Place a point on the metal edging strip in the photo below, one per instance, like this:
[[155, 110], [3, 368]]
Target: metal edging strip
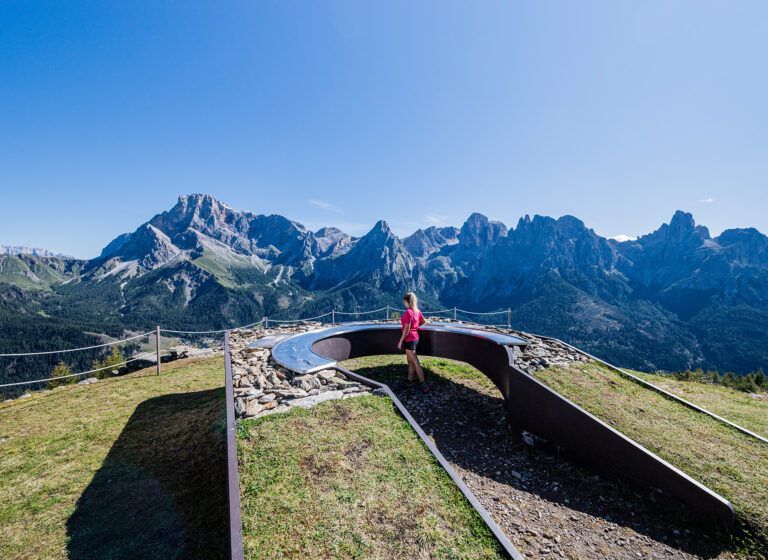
[[233, 478]]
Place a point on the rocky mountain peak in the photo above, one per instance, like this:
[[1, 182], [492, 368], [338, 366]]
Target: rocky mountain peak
[[328, 232], [424, 242], [198, 211], [380, 232], [150, 247], [681, 233], [478, 232], [682, 225]]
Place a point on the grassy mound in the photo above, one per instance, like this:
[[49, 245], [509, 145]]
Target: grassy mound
[[730, 463], [748, 411], [350, 479], [131, 467]]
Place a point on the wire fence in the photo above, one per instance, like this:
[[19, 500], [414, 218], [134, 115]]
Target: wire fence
[[68, 350], [158, 354]]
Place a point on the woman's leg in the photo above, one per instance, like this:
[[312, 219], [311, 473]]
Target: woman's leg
[[411, 369], [413, 361]]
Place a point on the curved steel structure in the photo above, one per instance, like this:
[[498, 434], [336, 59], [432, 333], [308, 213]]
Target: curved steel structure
[[558, 423]]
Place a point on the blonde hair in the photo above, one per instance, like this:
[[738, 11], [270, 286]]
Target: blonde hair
[[412, 301]]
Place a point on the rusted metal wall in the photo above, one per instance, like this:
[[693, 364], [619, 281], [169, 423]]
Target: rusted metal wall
[[559, 424]]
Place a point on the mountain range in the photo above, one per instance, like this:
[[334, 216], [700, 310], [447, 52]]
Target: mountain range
[[672, 299], [20, 250]]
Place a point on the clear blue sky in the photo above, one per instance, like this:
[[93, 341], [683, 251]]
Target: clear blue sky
[[342, 113]]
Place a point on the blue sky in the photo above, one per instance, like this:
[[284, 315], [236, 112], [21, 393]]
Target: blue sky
[[342, 113]]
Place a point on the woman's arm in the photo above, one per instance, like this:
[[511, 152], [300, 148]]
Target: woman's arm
[[422, 321], [406, 330]]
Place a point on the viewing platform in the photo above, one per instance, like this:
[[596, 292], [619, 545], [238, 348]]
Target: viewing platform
[[308, 352]]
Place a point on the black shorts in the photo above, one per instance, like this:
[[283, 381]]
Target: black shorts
[[410, 345]]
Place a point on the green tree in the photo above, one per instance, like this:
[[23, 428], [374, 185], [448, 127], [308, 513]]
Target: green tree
[[60, 370], [114, 358], [761, 380]]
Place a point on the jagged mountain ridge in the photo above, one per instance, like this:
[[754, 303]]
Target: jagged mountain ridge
[[673, 298], [23, 250]]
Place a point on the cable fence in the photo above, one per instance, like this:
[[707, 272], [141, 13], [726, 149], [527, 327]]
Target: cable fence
[[157, 353]]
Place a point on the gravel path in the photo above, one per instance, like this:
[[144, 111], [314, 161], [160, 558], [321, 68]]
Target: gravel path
[[547, 507]]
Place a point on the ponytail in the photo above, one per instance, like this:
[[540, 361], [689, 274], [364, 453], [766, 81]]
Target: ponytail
[[412, 301]]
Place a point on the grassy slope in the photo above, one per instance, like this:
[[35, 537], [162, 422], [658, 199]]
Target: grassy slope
[[730, 463], [736, 406], [115, 469], [350, 479], [652, 420], [13, 270]]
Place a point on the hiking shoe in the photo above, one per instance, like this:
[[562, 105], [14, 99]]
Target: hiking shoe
[[425, 388]]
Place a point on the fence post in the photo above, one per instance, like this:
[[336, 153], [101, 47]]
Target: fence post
[[333, 316], [157, 342], [386, 317], [454, 313], [266, 322], [509, 318]]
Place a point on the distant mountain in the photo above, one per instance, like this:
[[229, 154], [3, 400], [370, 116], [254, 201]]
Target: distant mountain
[[20, 250], [672, 299]]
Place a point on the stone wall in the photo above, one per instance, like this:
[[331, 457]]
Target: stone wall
[[263, 387]]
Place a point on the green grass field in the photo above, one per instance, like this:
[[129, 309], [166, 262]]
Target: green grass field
[[130, 467], [738, 407], [351, 479], [732, 464]]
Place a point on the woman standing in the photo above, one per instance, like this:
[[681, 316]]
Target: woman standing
[[411, 320]]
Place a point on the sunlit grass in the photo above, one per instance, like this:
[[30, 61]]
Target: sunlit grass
[[144, 439], [351, 479]]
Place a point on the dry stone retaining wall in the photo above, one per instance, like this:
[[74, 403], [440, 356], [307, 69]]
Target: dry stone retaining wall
[[262, 387]]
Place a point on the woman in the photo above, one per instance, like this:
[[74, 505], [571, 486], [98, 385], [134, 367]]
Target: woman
[[411, 320]]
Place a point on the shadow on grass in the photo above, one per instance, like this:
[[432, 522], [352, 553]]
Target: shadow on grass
[[469, 427], [161, 492]]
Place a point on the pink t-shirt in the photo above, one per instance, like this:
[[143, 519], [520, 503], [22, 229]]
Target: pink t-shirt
[[411, 317]]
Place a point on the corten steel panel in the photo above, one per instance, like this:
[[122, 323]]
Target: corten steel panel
[[233, 479], [536, 408]]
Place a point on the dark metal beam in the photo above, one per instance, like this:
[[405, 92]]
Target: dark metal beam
[[233, 478]]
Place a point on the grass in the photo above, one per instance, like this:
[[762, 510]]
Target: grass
[[130, 467], [351, 479], [738, 407], [388, 369], [730, 463]]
